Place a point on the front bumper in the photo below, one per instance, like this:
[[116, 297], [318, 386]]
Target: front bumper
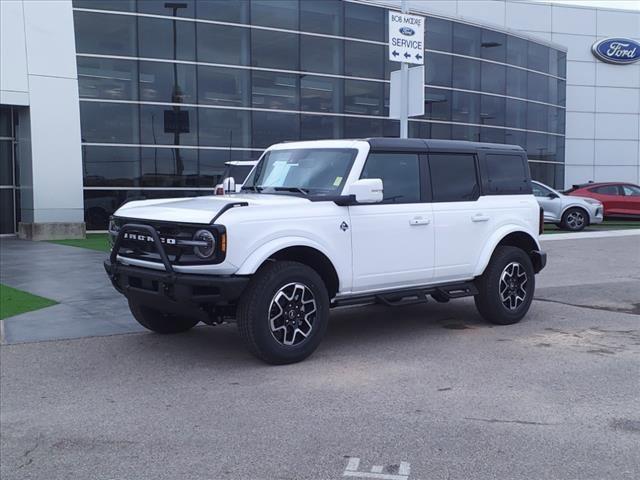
[[175, 292], [167, 290]]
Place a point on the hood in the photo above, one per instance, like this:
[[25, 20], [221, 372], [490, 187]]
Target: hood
[[199, 209]]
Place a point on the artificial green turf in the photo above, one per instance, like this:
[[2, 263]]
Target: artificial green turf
[[94, 241], [14, 302]]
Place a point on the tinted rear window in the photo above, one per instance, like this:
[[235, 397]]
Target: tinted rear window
[[453, 177], [606, 190], [505, 174]]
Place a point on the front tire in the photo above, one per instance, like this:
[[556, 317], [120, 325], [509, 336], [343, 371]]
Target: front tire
[[574, 220], [283, 313], [506, 288], [159, 322]]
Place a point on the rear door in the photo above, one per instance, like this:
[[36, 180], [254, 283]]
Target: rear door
[[461, 221], [611, 197], [393, 241], [631, 199]]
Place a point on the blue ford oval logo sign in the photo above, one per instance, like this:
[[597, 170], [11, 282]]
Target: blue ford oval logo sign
[[620, 51], [407, 31]]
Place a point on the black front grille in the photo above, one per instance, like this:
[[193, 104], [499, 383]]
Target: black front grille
[[140, 245]]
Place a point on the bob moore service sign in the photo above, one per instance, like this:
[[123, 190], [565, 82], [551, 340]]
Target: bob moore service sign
[[406, 38], [619, 51]]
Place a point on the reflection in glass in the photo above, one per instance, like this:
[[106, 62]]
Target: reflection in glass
[[275, 13], [538, 57], [111, 166], [469, 133], [492, 135], [7, 215], [465, 107], [438, 34], [516, 82], [169, 167], [538, 87], [466, 73], [223, 44], [107, 78], [493, 78], [355, 127], [321, 16], [516, 51], [363, 98], [168, 125], [493, 46], [118, 5], [437, 104], [363, 21], [516, 113], [466, 39], [537, 116], [438, 69], [156, 38], [273, 127], [492, 110], [318, 127], [321, 94], [223, 86], [236, 11], [224, 128], [105, 34], [274, 49], [274, 90], [363, 59], [157, 82], [109, 122], [322, 55]]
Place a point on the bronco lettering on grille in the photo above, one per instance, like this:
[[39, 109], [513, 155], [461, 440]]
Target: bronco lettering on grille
[[147, 238]]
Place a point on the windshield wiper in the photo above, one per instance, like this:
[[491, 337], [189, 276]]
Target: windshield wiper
[[304, 191], [252, 188]]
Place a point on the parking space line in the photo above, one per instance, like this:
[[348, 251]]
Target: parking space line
[[351, 470]]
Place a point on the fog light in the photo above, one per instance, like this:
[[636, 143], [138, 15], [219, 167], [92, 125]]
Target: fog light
[[204, 251]]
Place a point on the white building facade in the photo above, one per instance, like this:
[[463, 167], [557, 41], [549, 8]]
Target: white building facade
[[84, 85]]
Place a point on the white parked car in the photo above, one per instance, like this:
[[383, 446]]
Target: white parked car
[[235, 173], [323, 224], [566, 211]]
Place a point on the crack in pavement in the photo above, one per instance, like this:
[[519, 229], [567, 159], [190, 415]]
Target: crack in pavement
[[635, 310], [497, 420]]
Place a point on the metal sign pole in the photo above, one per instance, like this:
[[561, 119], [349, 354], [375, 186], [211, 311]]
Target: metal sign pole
[[404, 98]]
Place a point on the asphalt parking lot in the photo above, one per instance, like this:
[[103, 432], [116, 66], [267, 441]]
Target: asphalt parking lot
[[422, 392]]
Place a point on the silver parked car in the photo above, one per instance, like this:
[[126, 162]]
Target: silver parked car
[[568, 212]]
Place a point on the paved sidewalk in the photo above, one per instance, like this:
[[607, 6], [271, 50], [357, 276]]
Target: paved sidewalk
[[74, 277]]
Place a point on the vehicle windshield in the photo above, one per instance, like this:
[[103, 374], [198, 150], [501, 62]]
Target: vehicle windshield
[[318, 171]]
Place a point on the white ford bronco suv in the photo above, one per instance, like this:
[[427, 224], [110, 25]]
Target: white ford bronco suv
[[323, 224]]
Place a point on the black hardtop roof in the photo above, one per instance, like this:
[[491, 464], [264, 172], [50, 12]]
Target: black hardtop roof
[[425, 145]]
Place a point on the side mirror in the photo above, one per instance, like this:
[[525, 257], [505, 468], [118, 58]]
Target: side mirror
[[367, 190], [229, 185]]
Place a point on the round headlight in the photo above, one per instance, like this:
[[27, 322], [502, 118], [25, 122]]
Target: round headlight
[[204, 251]]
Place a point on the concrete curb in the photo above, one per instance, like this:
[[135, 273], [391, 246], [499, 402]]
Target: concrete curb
[[581, 235]]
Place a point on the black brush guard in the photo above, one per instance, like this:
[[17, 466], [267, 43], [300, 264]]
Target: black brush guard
[[167, 290]]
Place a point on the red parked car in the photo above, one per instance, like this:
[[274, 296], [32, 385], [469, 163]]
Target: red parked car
[[619, 199]]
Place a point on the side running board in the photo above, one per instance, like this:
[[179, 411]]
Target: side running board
[[402, 297]]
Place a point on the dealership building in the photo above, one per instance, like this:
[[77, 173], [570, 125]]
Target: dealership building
[[103, 101]]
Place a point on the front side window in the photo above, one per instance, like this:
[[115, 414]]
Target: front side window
[[400, 175], [539, 190], [453, 177], [308, 171]]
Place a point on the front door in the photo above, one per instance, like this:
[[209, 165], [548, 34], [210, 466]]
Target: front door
[[549, 201], [393, 242]]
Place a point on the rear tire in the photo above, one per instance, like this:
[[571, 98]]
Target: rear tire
[[574, 220], [506, 288], [283, 313], [159, 322]]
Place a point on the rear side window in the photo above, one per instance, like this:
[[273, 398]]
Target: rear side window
[[400, 174], [453, 177], [505, 174], [606, 190], [631, 190]]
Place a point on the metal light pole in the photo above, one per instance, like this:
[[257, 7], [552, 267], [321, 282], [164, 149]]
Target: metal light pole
[[404, 98]]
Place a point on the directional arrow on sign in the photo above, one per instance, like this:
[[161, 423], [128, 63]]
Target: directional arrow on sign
[[407, 55], [418, 56], [394, 53]]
